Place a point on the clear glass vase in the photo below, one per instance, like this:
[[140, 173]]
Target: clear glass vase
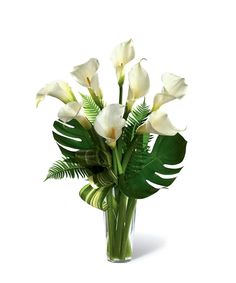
[[120, 220]]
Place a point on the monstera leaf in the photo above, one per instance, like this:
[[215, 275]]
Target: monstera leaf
[[167, 150], [71, 137]]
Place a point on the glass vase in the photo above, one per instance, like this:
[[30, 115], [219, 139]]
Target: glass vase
[[120, 220]]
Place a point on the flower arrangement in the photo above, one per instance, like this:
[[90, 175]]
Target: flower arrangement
[[109, 145]]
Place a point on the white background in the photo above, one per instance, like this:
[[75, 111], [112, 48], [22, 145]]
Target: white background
[[184, 234]]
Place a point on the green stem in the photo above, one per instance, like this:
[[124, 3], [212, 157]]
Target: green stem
[[121, 204], [111, 222], [117, 158], [129, 215], [114, 162], [126, 114], [119, 148], [95, 98], [120, 93], [121, 221], [129, 153]]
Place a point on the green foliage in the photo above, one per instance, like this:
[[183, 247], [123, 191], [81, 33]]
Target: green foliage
[[93, 157], [142, 169], [167, 150], [91, 109], [104, 178], [140, 154], [66, 168], [136, 117], [96, 191], [95, 197], [71, 137]]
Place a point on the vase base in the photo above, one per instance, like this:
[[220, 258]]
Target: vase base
[[117, 260]]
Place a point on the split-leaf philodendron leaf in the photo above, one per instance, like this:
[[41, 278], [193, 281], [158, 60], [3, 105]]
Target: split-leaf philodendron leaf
[[72, 135], [167, 150]]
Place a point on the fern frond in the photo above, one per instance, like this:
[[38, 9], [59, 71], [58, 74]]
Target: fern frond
[[66, 168], [91, 109], [136, 117]]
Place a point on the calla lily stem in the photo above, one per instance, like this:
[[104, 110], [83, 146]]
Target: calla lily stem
[[129, 153], [121, 221], [111, 221], [129, 214], [120, 93], [119, 167], [95, 98]]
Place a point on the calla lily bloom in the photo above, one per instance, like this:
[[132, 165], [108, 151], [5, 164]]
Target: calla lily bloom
[[158, 123], [95, 85], [71, 111], [139, 84], [174, 87], [122, 54], [109, 123], [58, 89], [86, 74]]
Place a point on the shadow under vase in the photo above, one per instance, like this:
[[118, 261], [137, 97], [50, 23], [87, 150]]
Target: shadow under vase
[[145, 244]]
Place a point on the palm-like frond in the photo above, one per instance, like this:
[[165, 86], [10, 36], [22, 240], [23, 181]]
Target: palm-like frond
[[66, 168], [136, 117], [91, 109]]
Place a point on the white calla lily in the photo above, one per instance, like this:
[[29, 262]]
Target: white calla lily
[[160, 99], [174, 87], [85, 73], [69, 111], [95, 85], [109, 123], [57, 89], [139, 83], [122, 54], [158, 123]]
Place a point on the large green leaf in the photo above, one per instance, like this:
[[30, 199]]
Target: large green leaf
[[139, 155], [104, 178], [71, 137], [167, 150], [93, 157], [170, 149], [95, 197]]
